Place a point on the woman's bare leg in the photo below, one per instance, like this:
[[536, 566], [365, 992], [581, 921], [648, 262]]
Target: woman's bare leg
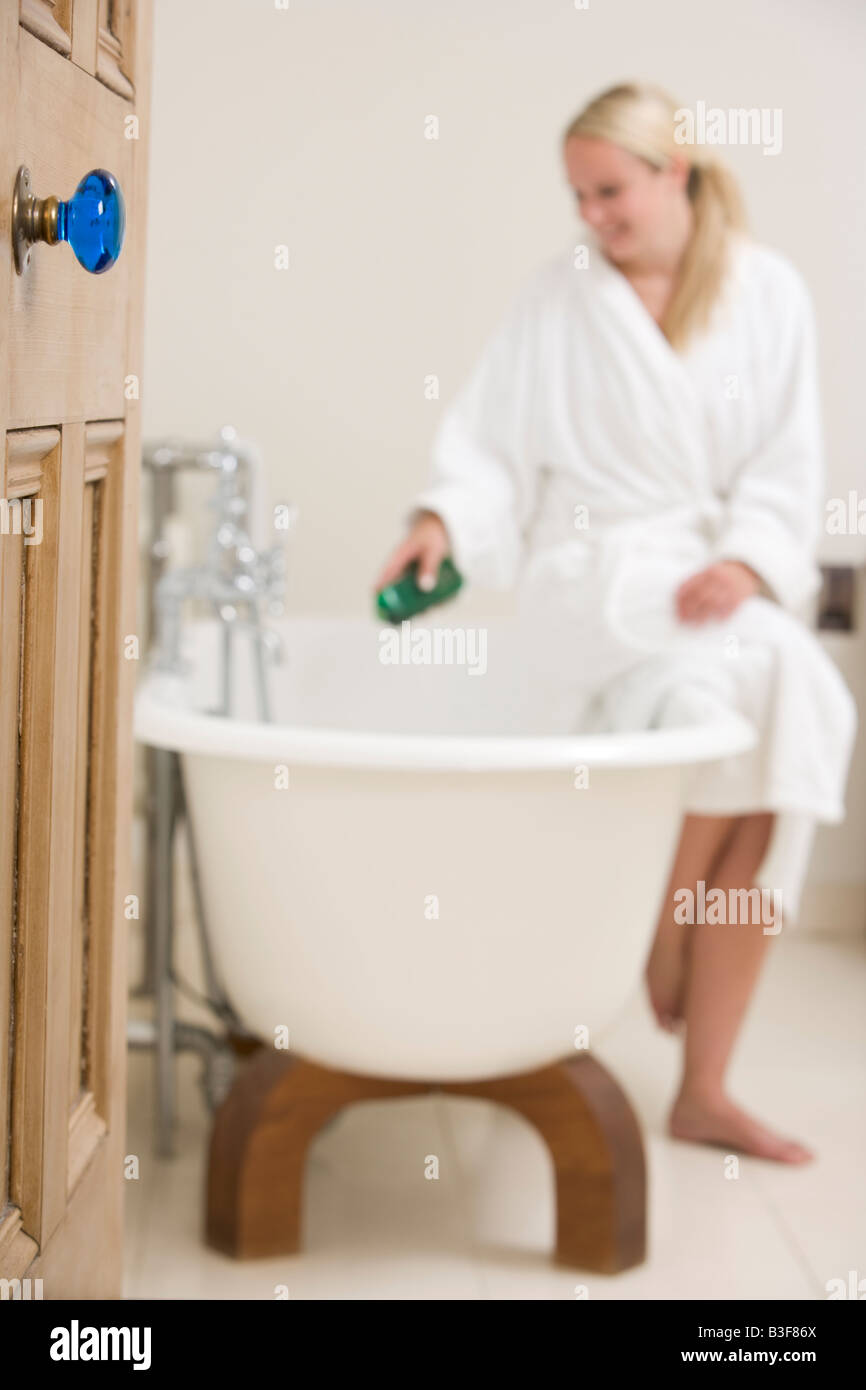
[[702, 842], [723, 968]]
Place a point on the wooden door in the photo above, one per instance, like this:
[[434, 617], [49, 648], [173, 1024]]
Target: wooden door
[[74, 95]]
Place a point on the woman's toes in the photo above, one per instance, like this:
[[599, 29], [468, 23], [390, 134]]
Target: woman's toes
[[721, 1123], [792, 1152]]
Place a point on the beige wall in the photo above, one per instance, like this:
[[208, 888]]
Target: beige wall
[[305, 127]]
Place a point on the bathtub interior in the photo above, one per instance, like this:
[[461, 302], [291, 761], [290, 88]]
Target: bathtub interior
[[436, 679]]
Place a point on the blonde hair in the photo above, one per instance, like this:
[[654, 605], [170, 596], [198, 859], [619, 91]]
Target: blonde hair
[[642, 120]]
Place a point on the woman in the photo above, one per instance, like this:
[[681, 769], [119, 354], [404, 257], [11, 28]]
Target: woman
[[640, 444]]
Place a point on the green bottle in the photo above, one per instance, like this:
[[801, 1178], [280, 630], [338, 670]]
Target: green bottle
[[403, 599]]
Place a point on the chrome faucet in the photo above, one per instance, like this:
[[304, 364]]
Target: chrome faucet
[[237, 581]]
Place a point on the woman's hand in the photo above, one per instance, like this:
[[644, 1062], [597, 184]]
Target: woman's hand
[[428, 543], [716, 591]]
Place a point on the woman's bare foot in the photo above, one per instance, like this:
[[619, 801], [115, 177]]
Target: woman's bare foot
[[718, 1121], [666, 976]]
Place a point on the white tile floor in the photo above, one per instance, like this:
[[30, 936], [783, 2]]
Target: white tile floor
[[376, 1228]]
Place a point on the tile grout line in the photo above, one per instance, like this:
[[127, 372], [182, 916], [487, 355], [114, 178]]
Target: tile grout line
[[786, 1232]]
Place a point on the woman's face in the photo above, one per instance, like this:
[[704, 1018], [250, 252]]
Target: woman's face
[[628, 203]]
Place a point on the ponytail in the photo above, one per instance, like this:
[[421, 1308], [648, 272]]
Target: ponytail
[[717, 208]]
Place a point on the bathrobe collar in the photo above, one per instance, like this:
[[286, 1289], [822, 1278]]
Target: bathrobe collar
[[622, 292], [659, 374]]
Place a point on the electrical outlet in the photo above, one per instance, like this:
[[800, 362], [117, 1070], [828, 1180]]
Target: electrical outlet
[[836, 600]]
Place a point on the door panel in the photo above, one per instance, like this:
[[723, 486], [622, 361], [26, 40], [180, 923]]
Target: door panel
[[50, 21], [22, 894], [69, 344], [98, 35], [90, 943], [115, 60], [45, 817]]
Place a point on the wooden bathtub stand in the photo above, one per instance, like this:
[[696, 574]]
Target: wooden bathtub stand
[[263, 1130]]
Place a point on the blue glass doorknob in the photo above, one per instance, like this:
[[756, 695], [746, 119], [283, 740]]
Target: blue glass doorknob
[[93, 221]]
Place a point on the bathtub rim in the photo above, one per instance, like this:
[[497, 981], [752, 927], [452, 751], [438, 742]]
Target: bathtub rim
[[162, 719]]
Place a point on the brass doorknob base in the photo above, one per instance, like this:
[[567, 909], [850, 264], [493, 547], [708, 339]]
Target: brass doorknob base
[[33, 219]]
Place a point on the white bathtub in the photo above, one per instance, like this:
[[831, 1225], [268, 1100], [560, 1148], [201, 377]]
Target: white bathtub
[[431, 896]]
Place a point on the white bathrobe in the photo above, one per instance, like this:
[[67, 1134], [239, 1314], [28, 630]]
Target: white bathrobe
[[596, 467]]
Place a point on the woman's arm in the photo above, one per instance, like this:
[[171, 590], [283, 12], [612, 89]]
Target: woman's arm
[[483, 469]]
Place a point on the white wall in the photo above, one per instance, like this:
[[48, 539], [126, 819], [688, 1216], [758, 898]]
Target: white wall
[[305, 127]]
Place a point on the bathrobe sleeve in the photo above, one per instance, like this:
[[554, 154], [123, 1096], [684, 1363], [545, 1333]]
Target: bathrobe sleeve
[[775, 503], [483, 474]]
